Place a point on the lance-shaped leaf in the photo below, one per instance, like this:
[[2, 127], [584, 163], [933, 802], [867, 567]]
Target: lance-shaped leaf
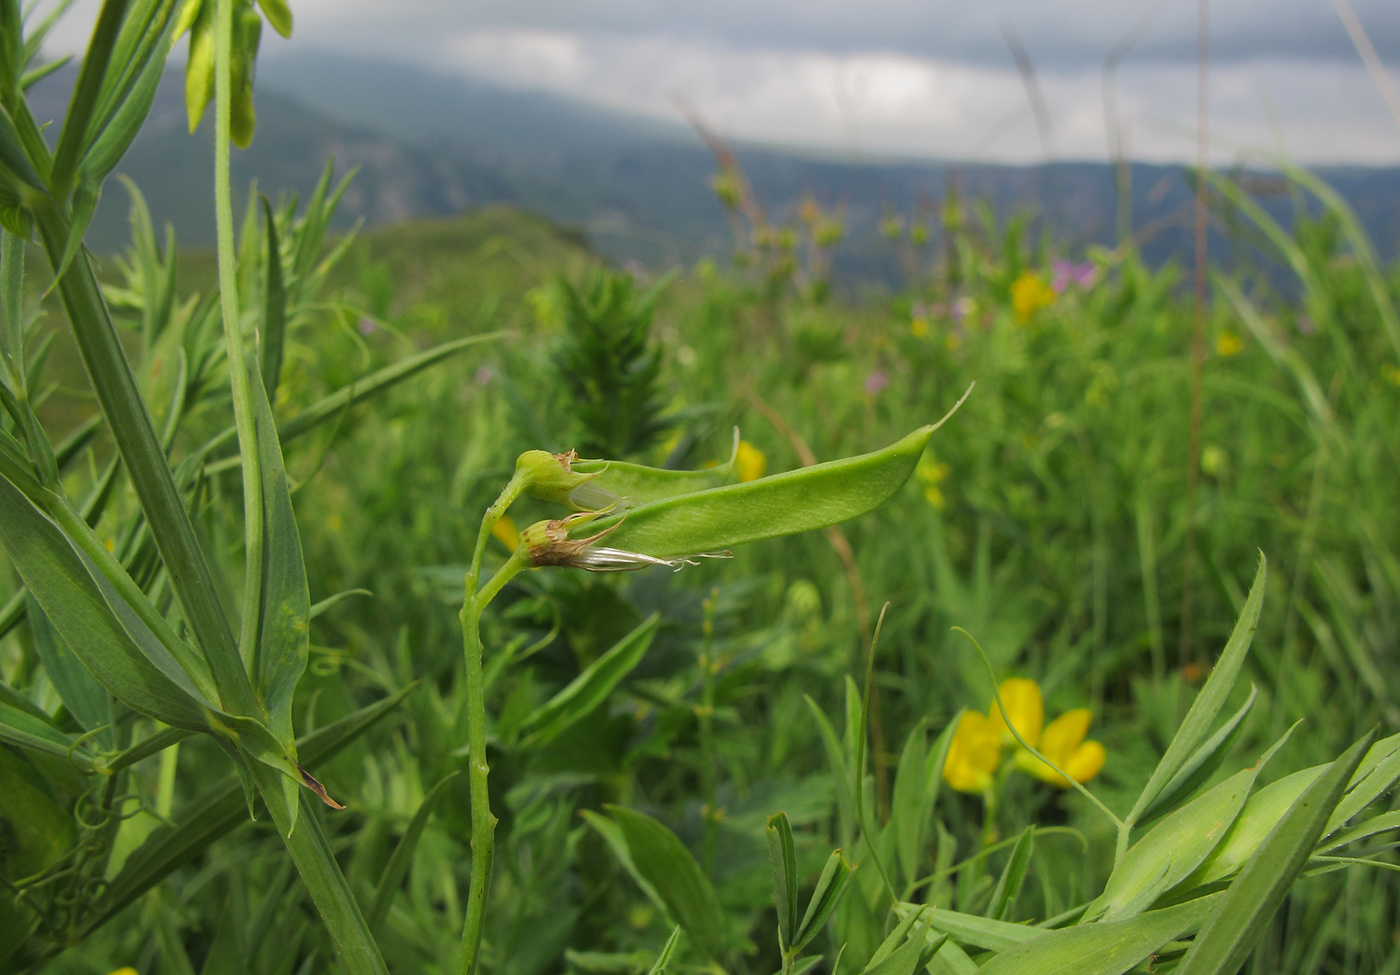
[[281, 641], [671, 870], [143, 675], [402, 857], [783, 504], [831, 887], [1106, 948], [82, 695], [1201, 765], [1195, 727], [590, 688], [215, 813], [1176, 846], [1246, 909], [782, 864]]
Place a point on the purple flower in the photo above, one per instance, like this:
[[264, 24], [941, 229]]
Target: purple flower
[[1066, 273], [876, 381], [367, 327], [484, 375]]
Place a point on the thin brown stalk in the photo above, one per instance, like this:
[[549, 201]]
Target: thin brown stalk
[[1198, 344]]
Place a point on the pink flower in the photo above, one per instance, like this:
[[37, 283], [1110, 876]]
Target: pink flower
[[1066, 273], [876, 381]]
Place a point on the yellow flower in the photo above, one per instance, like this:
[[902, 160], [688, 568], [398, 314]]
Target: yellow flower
[[750, 461], [1025, 707], [973, 755], [919, 328], [930, 474], [1029, 294], [125, 971], [1228, 344], [505, 531], [1063, 743]]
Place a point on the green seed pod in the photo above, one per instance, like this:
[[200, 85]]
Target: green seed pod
[[781, 504]]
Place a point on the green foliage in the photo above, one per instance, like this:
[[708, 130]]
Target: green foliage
[[609, 366], [642, 731]]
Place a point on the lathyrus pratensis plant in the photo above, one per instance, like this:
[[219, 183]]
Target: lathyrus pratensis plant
[[626, 516], [130, 629]]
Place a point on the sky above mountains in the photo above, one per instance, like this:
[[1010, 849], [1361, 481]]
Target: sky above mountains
[[912, 78]]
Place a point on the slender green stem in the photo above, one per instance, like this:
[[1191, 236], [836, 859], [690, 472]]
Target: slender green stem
[[709, 667], [233, 335], [483, 822]]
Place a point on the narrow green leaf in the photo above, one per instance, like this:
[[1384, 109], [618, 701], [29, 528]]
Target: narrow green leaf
[[85, 199], [1008, 886], [845, 798], [1377, 774], [783, 504], [22, 730], [1247, 907], [612, 834], [590, 688], [402, 857], [1105, 948], [12, 154], [82, 695], [937, 759], [984, 932], [1253, 825], [282, 637], [1195, 727], [1202, 764], [147, 466], [902, 950], [354, 943], [217, 812], [665, 862], [347, 396], [279, 15], [60, 580], [782, 864], [1376, 824], [669, 949], [272, 335], [909, 808], [73, 140], [831, 887], [1176, 846]]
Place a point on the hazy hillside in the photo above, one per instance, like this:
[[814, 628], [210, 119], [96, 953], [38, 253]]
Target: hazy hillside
[[428, 144]]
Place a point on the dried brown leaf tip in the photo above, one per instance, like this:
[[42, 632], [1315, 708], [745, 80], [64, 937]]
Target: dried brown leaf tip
[[309, 780]]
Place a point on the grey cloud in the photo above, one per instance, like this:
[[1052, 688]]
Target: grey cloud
[[1060, 34]]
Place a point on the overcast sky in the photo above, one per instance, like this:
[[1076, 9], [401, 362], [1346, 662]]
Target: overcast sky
[[928, 78]]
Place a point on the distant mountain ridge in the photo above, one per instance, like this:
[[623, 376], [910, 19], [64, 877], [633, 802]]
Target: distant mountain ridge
[[432, 144]]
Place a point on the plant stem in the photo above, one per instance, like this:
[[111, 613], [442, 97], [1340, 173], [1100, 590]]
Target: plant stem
[[483, 822], [233, 335], [709, 771]]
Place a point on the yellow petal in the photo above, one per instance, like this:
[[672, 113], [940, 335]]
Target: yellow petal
[[505, 532], [1064, 734], [750, 461], [1086, 762], [1024, 706], [973, 754]]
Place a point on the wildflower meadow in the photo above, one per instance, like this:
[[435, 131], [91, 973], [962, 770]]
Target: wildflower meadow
[[387, 601]]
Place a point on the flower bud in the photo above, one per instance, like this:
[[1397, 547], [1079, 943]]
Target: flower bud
[[550, 477]]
